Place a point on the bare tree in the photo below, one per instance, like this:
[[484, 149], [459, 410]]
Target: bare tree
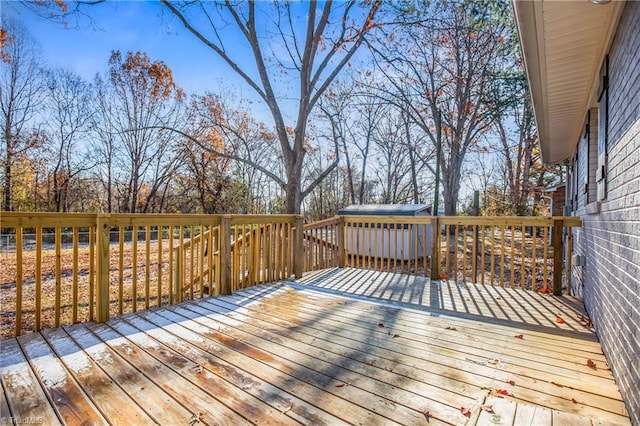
[[441, 63], [69, 115], [21, 92], [146, 102], [309, 51]]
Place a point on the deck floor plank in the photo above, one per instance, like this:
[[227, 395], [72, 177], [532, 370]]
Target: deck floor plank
[[296, 379], [112, 402], [244, 404], [391, 354], [200, 404], [571, 390], [264, 391], [340, 346], [68, 398], [443, 403], [25, 396], [575, 376], [142, 391]]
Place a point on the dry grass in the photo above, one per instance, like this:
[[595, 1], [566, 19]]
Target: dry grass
[[155, 272]]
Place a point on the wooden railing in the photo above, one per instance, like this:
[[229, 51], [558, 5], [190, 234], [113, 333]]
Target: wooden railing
[[67, 268], [522, 252]]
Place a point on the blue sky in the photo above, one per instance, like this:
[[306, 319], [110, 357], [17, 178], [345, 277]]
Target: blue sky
[[127, 26]]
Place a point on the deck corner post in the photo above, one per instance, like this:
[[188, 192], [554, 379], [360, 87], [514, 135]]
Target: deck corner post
[[225, 255], [298, 247], [435, 250], [342, 249], [103, 227], [558, 227]]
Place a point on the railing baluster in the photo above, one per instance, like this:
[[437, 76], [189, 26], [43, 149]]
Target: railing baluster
[[18, 316], [38, 277], [120, 269], [74, 273]]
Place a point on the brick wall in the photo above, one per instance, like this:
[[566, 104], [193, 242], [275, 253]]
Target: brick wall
[[610, 236]]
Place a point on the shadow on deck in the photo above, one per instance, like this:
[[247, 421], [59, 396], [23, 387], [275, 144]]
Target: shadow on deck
[[336, 347]]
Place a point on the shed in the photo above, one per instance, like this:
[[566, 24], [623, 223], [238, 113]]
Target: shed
[[388, 240]]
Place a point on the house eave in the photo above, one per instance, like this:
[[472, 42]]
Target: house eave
[[563, 44]]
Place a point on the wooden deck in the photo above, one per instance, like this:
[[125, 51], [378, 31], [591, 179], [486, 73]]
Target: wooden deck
[[336, 347]]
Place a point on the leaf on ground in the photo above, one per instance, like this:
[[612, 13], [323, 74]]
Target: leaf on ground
[[493, 361], [286, 410], [487, 408], [504, 392], [427, 414], [465, 411], [389, 369], [511, 382], [451, 328], [340, 385], [574, 400], [381, 325], [196, 418], [591, 364], [396, 335], [519, 336], [559, 320], [444, 276], [498, 298], [369, 362]]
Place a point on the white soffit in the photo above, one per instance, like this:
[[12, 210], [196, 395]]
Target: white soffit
[[564, 43]]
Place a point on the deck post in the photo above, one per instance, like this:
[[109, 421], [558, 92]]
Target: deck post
[[225, 255], [435, 251], [102, 267], [298, 248], [558, 226], [342, 249]]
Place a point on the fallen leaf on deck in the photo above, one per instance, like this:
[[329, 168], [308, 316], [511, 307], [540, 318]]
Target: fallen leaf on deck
[[493, 361], [451, 328], [286, 410], [196, 418], [519, 336], [487, 408], [369, 362], [559, 320], [340, 385], [498, 298], [381, 325], [444, 276], [504, 392], [574, 400], [591, 364], [427, 414], [465, 411], [511, 382], [389, 369], [485, 388]]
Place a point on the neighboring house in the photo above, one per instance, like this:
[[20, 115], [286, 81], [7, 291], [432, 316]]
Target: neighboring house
[[583, 65], [557, 194]]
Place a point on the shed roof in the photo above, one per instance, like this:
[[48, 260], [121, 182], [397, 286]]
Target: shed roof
[[384, 209]]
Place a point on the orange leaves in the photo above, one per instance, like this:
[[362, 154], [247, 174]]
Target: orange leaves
[[511, 382], [574, 400], [503, 392], [5, 39], [559, 320], [488, 408], [444, 276], [591, 364], [465, 411]]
